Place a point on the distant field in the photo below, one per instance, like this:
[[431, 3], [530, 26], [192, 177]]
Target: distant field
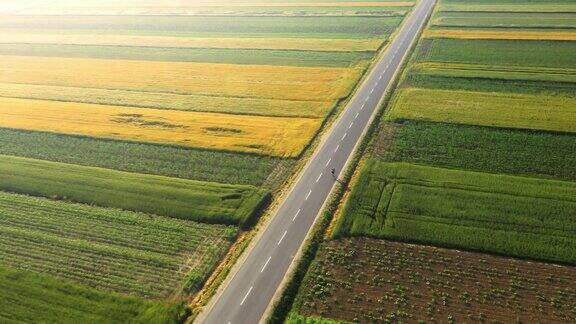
[[183, 78], [377, 281], [472, 77], [172, 197], [483, 149], [522, 217], [260, 8], [500, 34], [307, 44], [520, 7], [168, 161], [283, 137], [206, 26], [486, 109], [26, 297], [505, 20], [502, 72], [198, 55], [553, 54], [108, 249], [162, 100]]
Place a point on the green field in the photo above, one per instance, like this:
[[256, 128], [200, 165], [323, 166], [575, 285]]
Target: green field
[[484, 149], [171, 101], [507, 110], [550, 82], [553, 54], [522, 217], [108, 249], [27, 297], [218, 26], [505, 19], [172, 197], [202, 55], [171, 161]]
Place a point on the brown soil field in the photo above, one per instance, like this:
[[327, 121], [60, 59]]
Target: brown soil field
[[367, 280]]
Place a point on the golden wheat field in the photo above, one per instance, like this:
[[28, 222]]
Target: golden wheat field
[[275, 136], [262, 81], [512, 35], [232, 105], [201, 42]]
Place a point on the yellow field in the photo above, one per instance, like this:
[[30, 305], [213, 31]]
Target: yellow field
[[232, 105], [514, 35], [185, 42], [285, 137], [510, 110], [155, 4], [261, 81], [156, 7]]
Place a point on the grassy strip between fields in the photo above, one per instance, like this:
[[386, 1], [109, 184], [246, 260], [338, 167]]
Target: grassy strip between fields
[[500, 72], [486, 109], [205, 26], [171, 101], [520, 7], [521, 217], [177, 198], [170, 161], [519, 53], [551, 82], [305, 44], [500, 34], [484, 149], [504, 20], [28, 297], [109, 249], [193, 55]]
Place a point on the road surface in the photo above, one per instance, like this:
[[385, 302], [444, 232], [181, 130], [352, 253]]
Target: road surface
[[247, 295]]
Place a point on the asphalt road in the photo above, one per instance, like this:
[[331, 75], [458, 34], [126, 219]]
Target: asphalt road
[[247, 295]]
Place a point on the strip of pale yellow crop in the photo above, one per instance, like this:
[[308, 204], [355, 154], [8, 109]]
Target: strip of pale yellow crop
[[305, 44], [192, 4], [513, 35], [231, 105], [253, 81], [276, 136]]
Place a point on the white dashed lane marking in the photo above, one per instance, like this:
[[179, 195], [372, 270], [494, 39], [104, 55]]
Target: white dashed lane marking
[[265, 264], [283, 235], [297, 213], [246, 296]]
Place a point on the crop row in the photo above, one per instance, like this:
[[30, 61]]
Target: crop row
[[229, 105], [523, 53], [184, 78], [295, 44], [220, 26], [276, 136], [196, 55], [523, 217], [514, 152], [171, 161], [178, 198], [487, 109], [26, 297], [505, 20], [366, 280], [101, 257]]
